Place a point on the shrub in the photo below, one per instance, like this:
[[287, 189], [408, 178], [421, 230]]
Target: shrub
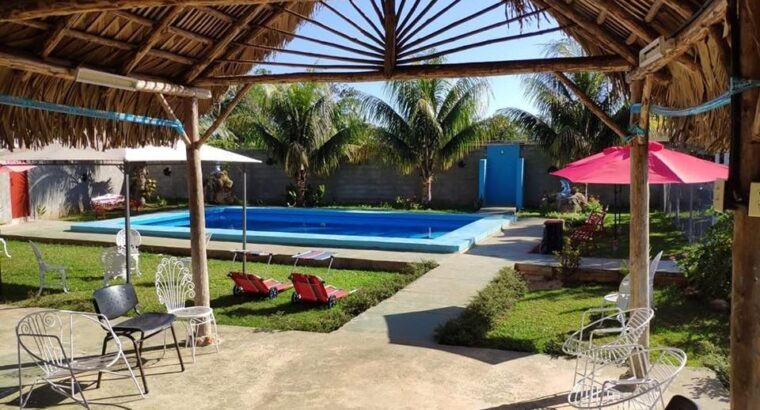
[[593, 205], [707, 263], [717, 360], [488, 306], [569, 259]]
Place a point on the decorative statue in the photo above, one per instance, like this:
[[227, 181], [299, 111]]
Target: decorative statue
[[218, 188]]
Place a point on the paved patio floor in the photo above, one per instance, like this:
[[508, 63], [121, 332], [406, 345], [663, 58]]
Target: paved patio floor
[[384, 358]]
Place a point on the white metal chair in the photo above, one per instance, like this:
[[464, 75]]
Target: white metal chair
[[599, 388], [135, 240], [174, 286], [5, 247], [51, 339], [622, 298], [114, 264], [45, 268], [608, 339]]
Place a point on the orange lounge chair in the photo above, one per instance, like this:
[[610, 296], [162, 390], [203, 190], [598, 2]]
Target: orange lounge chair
[[310, 288], [250, 283]]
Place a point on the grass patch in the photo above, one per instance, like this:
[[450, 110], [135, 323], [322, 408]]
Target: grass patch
[[541, 320], [664, 235], [21, 282]]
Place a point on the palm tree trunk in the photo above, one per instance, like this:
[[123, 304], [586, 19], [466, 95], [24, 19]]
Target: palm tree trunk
[[427, 189], [301, 188]]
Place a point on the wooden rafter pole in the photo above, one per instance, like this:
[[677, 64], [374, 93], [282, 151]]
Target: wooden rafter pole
[[57, 35], [606, 39], [591, 105], [389, 23], [226, 113], [159, 30], [675, 47], [221, 45], [35, 9], [641, 92], [606, 64], [744, 170]]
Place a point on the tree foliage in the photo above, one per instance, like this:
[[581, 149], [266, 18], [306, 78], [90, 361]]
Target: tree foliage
[[428, 125], [563, 127]]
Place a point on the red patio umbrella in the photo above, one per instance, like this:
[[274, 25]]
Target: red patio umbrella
[[612, 166]]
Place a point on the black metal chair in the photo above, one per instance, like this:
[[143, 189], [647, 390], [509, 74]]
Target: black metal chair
[[681, 403], [116, 301]]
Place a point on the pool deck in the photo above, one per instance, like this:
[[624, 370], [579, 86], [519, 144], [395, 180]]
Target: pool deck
[[383, 358]]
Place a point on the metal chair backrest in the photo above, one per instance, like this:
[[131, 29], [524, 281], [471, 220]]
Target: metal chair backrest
[[5, 247], [174, 284], [653, 265], [38, 255], [636, 323], [114, 262], [48, 336], [115, 301], [135, 239]]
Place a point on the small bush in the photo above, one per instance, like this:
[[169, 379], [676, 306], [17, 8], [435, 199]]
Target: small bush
[[488, 306], [707, 263], [593, 205], [717, 360], [569, 259]]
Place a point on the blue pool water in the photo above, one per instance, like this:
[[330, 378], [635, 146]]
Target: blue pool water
[[409, 231]]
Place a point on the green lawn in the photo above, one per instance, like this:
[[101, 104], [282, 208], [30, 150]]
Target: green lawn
[[21, 281], [541, 320], [663, 234]]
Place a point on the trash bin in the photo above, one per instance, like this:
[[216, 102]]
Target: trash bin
[[553, 232]]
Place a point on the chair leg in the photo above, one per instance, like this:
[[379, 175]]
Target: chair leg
[[132, 374], [63, 281], [176, 346], [216, 332], [74, 382], [102, 353], [42, 283], [138, 353], [191, 336]]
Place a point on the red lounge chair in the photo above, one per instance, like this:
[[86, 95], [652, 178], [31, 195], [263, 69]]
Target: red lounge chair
[[312, 288], [249, 283]]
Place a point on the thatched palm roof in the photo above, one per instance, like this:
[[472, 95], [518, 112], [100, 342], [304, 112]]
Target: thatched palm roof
[[190, 42], [127, 41]]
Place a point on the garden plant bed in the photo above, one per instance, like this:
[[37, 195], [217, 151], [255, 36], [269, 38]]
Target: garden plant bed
[[21, 282], [535, 272]]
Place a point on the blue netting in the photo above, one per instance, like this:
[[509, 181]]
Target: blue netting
[[738, 86], [89, 112]]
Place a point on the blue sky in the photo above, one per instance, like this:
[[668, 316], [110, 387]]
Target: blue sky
[[507, 91]]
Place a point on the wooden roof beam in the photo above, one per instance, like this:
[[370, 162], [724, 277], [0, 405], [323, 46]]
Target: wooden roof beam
[[65, 70], [652, 13], [682, 8], [226, 112], [676, 46], [604, 64], [152, 24], [605, 38], [389, 23], [159, 30], [34, 9], [591, 105]]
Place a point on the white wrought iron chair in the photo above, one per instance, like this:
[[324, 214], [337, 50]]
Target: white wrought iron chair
[[51, 339], [608, 339], [114, 264], [599, 388], [622, 298], [188, 261], [135, 240], [5, 247], [174, 286], [45, 268]]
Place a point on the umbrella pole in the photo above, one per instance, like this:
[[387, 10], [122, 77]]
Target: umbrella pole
[[245, 215], [127, 249]]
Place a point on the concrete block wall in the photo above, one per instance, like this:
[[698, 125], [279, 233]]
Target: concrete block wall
[[62, 189]]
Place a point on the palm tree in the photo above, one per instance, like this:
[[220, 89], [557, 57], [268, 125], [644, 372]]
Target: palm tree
[[563, 127], [304, 128], [428, 125]]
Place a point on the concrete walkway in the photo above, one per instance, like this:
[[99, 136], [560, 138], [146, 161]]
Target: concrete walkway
[[412, 314]]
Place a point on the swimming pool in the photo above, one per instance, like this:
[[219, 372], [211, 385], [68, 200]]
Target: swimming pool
[[388, 230]]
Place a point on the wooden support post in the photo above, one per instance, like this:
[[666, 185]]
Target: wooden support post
[[639, 202], [745, 297], [197, 210]]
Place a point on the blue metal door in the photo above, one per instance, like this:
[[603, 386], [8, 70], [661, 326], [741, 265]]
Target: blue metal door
[[504, 175]]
